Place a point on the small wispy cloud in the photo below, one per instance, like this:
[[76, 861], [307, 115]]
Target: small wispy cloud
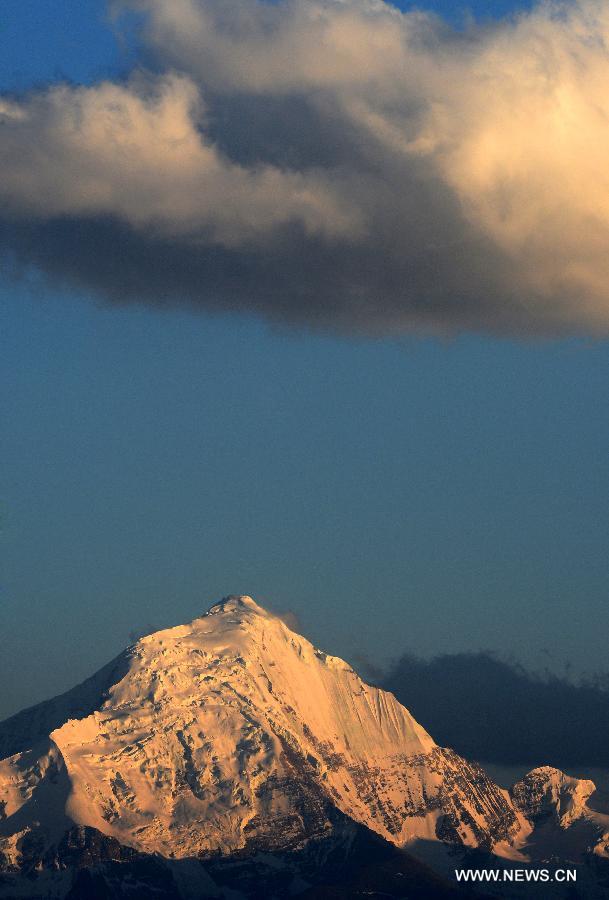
[[290, 618], [336, 164]]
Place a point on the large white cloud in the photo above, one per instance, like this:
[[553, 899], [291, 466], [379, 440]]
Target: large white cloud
[[336, 163], [136, 152]]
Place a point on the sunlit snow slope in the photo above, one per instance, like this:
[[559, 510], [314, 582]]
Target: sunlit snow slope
[[235, 732]]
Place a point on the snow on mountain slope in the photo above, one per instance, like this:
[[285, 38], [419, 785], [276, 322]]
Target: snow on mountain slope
[[547, 792], [234, 732], [564, 823]]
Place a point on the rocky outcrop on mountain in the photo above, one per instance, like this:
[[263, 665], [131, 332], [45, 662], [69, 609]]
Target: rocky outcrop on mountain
[[547, 793], [565, 822]]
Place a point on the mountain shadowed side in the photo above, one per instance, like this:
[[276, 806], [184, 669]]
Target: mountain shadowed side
[[23, 730], [103, 869], [470, 701]]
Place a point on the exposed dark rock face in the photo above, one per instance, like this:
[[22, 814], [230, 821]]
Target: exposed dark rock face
[[467, 782], [546, 794], [87, 865], [79, 847]]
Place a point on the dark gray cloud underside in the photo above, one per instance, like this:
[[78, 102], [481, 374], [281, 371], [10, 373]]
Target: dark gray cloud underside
[[298, 282], [328, 164]]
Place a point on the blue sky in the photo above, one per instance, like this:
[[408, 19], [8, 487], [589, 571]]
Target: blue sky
[[44, 40], [399, 494]]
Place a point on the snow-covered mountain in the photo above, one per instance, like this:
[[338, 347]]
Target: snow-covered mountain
[[233, 736], [566, 822]]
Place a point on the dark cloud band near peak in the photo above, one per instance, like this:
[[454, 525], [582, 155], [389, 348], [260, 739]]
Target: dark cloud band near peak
[[334, 164]]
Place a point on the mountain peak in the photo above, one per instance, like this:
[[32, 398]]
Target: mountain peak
[[234, 732], [236, 601], [236, 614], [546, 791]]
